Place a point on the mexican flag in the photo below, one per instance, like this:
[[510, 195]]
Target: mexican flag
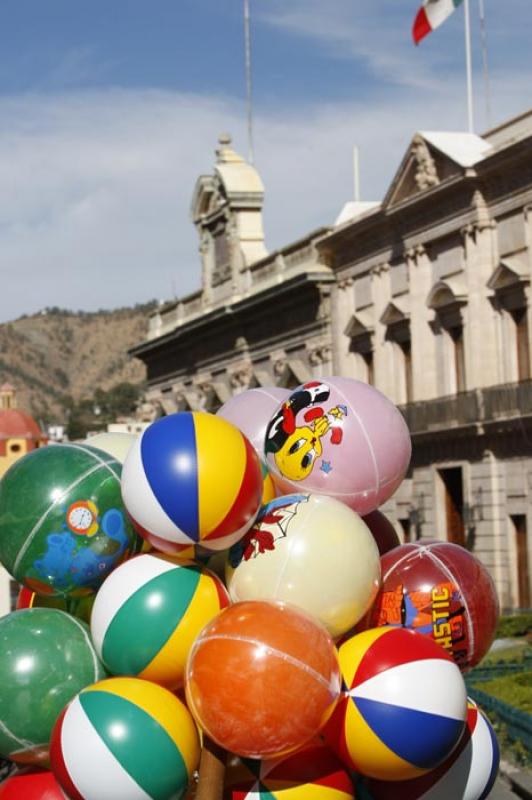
[[431, 15]]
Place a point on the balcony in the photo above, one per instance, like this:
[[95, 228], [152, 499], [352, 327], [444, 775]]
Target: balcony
[[475, 408]]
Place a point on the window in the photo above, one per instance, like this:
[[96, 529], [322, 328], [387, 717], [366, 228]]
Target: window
[[522, 341], [367, 358], [457, 337]]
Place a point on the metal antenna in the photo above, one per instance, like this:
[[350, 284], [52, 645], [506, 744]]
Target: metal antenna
[[247, 48]]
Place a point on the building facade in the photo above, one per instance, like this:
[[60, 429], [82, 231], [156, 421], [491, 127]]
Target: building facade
[[426, 295], [259, 319]]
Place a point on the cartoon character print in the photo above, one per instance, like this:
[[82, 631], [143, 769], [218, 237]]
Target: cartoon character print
[[270, 525], [65, 563], [296, 448], [437, 612]]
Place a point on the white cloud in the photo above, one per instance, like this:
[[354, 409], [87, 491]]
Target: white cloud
[[95, 187]]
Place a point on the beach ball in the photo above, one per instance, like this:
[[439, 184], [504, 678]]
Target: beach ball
[[79, 607], [46, 657], [192, 478], [262, 678], [340, 437], [31, 785], [311, 772], [117, 445], [404, 706], [442, 590], [251, 410], [468, 774], [124, 738], [383, 531], [148, 613], [300, 542], [63, 525], [268, 486]]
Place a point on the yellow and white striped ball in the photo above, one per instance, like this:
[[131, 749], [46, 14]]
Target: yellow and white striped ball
[[192, 479], [124, 738], [148, 613]]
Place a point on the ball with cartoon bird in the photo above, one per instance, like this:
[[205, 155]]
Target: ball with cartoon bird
[[301, 542], [340, 437]]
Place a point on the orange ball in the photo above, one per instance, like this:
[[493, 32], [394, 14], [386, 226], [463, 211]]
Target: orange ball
[[262, 679]]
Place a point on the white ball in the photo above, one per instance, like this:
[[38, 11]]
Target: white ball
[[312, 551]]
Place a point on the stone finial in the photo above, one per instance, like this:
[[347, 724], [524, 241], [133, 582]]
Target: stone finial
[[224, 151]]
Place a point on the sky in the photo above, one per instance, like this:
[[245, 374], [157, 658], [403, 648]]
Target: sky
[[111, 109]]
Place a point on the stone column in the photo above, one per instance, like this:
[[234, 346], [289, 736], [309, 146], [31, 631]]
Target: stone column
[[483, 358], [424, 372], [342, 307], [491, 532]]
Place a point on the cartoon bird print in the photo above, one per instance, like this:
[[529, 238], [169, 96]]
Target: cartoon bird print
[[297, 448]]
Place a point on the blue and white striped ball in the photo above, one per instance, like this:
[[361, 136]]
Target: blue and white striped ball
[[468, 774], [192, 479]]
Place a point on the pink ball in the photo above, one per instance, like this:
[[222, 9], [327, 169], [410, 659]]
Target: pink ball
[[251, 410], [339, 437]]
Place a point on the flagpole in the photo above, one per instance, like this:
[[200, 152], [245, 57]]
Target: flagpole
[[485, 65], [469, 70], [247, 48]]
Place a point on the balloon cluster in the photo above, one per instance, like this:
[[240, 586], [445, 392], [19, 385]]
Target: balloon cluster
[[242, 588]]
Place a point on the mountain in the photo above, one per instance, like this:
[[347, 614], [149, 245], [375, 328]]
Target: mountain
[[57, 354]]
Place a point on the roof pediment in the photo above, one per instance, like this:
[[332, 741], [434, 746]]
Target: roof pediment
[[431, 159], [207, 197], [393, 314], [358, 326], [508, 273], [446, 294]]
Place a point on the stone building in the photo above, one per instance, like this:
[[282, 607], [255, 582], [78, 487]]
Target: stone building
[[259, 319], [426, 295]]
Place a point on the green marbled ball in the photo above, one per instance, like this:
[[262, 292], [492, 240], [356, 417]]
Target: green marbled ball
[[63, 525], [46, 657]]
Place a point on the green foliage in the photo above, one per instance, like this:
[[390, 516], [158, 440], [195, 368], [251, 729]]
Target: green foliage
[[516, 690], [96, 412], [515, 654], [517, 625]]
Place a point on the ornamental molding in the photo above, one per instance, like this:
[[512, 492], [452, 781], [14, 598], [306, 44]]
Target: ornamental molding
[[319, 354], [426, 174]]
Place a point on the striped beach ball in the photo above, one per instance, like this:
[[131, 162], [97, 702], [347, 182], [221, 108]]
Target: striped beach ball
[[312, 773], [148, 613], [404, 706], [125, 739], [192, 478], [468, 774]]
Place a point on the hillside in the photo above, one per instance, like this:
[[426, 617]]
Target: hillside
[[55, 354]]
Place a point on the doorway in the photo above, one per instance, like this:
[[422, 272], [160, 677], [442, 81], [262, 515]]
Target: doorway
[[454, 504], [521, 549]]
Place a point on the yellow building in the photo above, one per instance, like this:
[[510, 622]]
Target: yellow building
[[19, 433]]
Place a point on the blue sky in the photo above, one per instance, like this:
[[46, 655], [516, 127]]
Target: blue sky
[[110, 110]]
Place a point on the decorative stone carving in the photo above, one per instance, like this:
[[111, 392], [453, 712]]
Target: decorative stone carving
[[279, 362], [319, 354], [414, 253], [426, 174], [380, 269], [240, 377], [346, 283]]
